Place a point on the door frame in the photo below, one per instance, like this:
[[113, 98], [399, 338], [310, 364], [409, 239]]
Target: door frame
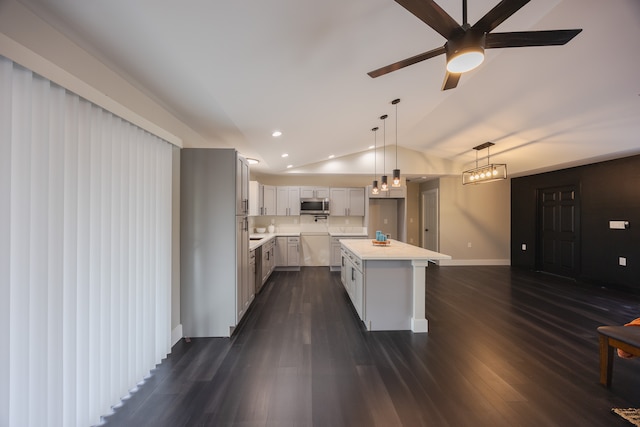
[[423, 219]]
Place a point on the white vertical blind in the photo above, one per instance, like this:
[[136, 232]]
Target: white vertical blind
[[85, 254]]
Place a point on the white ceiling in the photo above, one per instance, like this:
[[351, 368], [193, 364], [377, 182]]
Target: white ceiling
[[234, 71]]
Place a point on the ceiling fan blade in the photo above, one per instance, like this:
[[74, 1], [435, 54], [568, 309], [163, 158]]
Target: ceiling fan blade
[[450, 80], [433, 15], [498, 14], [529, 38], [406, 62]]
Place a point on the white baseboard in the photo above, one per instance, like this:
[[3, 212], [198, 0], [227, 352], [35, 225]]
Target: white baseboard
[[466, 262], [176, 334]]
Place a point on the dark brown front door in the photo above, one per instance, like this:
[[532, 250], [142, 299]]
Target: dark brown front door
[[558, 231]]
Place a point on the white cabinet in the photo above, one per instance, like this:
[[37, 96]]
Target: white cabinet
[[268, 259], [262, 199], [256, 200], [352, 278], [268, 200], [336, 255], [288, 201], [347, 201], [288, 251], [244, 295], [392, 193], [314, 192], [242, 186]]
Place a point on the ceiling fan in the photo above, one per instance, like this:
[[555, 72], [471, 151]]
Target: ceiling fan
[[465, 43]]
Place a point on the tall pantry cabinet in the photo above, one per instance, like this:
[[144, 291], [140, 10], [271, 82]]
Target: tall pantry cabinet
[[214, 241]]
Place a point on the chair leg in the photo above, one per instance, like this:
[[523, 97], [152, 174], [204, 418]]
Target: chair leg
[[606, 361]]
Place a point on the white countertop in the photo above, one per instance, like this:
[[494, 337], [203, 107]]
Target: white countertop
[[265, 237], [346, 234], [365, 250]]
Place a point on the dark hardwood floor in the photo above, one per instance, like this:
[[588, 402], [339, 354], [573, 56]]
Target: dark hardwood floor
[[506, 348]]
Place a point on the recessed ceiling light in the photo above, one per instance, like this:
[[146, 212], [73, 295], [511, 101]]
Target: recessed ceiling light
[[285, 155], [276, 133], [331, 156], [252, 161], [289, 166]]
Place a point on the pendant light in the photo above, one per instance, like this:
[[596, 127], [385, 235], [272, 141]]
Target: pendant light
[[374, 187], [487, 173], [396, 171], [383, 185]]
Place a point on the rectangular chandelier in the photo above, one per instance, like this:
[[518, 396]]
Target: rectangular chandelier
[[486, 173]]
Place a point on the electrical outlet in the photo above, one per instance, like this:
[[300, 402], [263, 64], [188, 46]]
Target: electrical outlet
[[346, 221], [622, 261], [524, 246], [410, 240], [410, 220], [469, 244], [386, 221]]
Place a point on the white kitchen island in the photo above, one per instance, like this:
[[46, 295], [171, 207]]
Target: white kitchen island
[[387, 284]]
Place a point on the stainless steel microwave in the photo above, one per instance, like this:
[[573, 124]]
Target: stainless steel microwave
[[314, 206]]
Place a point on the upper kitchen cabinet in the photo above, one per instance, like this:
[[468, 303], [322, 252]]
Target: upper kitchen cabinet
[[242, 186], [268, 200], [288, 201], [347, 201], [392, 193], [314, 192], [262, 199], [256, 200]]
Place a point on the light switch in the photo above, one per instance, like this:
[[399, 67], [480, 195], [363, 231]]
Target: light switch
[[618, 225], [524, 246], [622, 261]]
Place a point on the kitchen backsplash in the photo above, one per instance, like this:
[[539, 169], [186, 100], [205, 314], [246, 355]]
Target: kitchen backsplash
[[308, 223]]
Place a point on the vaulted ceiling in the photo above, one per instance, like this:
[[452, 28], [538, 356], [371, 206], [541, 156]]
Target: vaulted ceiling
[[235, 71]]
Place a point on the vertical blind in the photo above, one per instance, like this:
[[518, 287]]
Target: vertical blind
[[85, 254]]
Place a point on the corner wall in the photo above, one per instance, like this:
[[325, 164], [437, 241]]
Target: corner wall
[[475, 221], [608, 191]]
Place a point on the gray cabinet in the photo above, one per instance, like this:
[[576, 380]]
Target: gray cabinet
[[352, 277], [314, 192], [288, 251], [268, 259], [262, 199], [214, 240], [268, 200], [392, 193], [347, 201], [288, 201]]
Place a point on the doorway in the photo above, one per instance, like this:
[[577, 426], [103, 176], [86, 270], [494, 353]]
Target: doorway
[[430, 221], [559, 231]]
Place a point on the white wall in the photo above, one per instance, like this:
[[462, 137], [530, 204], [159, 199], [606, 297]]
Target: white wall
[[475, 221]]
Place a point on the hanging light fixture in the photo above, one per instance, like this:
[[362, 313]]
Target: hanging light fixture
[[383, 184], [487, 173], [374, 187], [396, 171]]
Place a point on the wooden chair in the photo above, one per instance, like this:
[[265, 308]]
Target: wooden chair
[[626, 338]]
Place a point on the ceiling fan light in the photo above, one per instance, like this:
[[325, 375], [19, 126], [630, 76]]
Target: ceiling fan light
[[465, 61], [465, 53]]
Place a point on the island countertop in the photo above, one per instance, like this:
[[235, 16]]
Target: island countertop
[[396, 250]]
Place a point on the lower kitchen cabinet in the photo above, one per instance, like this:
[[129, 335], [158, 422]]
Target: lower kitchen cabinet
[[353, 279], [336, 258], [288, 252], [268, 259]]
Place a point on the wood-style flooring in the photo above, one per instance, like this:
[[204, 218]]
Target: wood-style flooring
[[506, 347]]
